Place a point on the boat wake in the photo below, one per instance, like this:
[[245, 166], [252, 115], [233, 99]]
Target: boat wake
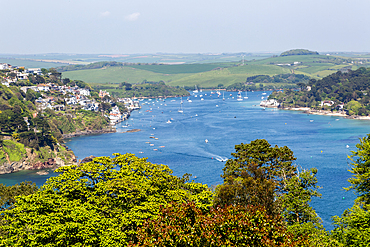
[[221, 159]]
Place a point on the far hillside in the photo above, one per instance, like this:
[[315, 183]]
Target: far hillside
[[212, 75]]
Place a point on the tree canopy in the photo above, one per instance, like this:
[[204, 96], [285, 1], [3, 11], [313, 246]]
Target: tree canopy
[[99, 203], [299, 52]]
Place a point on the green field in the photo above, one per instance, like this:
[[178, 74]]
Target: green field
[[204, 70], [204, 75], [30, 63]]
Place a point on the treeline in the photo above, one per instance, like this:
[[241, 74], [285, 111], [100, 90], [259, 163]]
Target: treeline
[[96, 65], [258, 82], [128, 201], [351, 89], [298, 52], [144, 89]]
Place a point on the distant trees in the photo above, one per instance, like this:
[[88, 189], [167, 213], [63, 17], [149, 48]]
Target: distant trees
[[298, 52], [350, 88]]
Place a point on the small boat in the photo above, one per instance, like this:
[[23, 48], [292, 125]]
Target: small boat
[[196, 89], [151, 145], [206, 140], [239, 98], [311, 120], [169, 121], [347, 146], [202, 99], [263, 93], [246, 95], [155, 149], [180, 110]]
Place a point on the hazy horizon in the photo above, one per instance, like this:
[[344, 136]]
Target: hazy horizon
[[208, 26]]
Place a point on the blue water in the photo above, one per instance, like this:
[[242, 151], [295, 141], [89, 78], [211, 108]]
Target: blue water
[[320, 143]]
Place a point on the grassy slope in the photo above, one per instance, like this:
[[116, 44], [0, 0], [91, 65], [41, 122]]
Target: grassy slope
[[30, 63], [210, 75], [172, 77]]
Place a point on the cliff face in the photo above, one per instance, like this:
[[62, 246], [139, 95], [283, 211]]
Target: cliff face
[[89, 132], [26, 165], [15, 157]]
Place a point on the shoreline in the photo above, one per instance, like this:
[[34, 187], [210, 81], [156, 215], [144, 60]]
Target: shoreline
[[308, 110], [89, 132]]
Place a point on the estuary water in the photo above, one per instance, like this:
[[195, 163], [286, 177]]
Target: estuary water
[[203, 136]]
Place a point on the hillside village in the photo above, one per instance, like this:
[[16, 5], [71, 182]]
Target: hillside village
[[59, 97]]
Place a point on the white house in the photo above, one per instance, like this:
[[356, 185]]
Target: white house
[[269, 103], [84, 91], [5, 66], [43, 87], [34, 71]]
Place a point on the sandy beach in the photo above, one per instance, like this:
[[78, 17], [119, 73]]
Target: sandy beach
[[307, 110]]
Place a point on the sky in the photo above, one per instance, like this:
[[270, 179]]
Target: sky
[[183, 26]]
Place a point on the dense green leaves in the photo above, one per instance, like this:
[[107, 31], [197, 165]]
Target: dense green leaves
[[8, 193], [350, 88], [257, 175], [353, 228], [360, 181], [301, 189], [98, 203]]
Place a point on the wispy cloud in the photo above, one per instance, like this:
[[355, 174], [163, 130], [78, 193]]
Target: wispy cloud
[[133, 16], [105, 14]]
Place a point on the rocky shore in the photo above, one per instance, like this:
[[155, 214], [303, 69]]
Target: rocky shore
[[89, 132], [26, 165]]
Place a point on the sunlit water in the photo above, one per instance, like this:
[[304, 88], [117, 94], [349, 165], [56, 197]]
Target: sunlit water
[[182, 145]]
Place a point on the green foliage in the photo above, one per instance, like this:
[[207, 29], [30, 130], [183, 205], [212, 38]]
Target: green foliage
[[316, 236], [143, 90], [299, 52], [350, 88], [353, 228], [8, 194], [301, 189], [99, 203], [273, 82], [16, 151], [187, 225], [360, 161], [353, 107], [256, 176]]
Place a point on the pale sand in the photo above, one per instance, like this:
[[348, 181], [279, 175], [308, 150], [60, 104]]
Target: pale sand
[[327, 113]]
